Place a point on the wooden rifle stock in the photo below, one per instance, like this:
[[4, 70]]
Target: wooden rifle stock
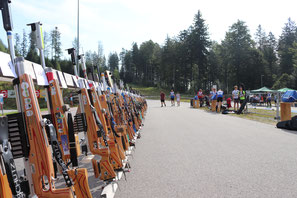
[[58, 115], [112, 134], [40, 157], [120, 125], [5, 190], [97, 145], [116, 159], [78, 175]]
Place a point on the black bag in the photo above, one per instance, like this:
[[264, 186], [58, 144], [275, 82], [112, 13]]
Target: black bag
[[288, 124]]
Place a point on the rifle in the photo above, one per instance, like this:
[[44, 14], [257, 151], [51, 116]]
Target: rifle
[[115, 116], [98, 146], [10, 183], [39, 158], [129, 116], [124, 117], [111, 126], [119, 128], [61, 136], [115, 157]]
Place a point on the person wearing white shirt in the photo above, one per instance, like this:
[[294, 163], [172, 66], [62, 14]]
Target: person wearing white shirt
[[220, 95], [178, 99], [235, 96]]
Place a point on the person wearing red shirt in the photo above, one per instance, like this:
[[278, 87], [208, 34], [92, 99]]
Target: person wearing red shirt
[[200, 97], [162, 98]]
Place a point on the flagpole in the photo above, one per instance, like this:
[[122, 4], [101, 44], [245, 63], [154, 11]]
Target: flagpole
[[77, 63]]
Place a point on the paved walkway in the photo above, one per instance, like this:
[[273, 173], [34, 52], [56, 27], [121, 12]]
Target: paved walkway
[[188, 152]]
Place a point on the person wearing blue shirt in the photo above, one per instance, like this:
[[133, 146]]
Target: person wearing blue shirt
[[172, 97], [220, 95], [213, 94]]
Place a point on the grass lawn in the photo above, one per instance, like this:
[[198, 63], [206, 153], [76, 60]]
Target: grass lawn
[[148, 91], [154, 93]]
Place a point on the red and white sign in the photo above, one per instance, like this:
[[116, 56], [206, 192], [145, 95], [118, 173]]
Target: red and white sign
[[37, 93], [5, 93]]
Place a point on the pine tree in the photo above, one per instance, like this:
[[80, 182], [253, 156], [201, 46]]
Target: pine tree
[[47, 43], [32, 52], [56, 44], [270, 60], [236, 54], [113, 62], [17, 44], [260, 37], [100, 54], [199, 44], [286, 40], [136, 67], [24, 45], [74, 44], [3, 48], [104, 66]]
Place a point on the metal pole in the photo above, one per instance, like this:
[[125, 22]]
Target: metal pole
[[277, 106], [77, 61], [11, 46]]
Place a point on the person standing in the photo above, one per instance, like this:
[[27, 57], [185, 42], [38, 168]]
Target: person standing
[[178, 99], [265, 99], [162, 98], [213, 98], [172, 97], [200, 97], [235, 96], [211, 94], [220, 95], [241, 95], [268, 99]]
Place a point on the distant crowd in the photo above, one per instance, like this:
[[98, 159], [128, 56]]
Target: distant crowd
[[238, 97], [264, 99]]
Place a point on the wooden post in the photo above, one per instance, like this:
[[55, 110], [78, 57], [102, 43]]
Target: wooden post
[[213, 105], [285, 111], [196, 104]]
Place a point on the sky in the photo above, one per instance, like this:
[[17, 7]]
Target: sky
[[119, 23]]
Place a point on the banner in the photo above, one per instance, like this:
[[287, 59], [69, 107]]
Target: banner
[[37, 93], [4, 92]]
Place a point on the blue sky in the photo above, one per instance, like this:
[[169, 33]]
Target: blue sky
[[118, 23]]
